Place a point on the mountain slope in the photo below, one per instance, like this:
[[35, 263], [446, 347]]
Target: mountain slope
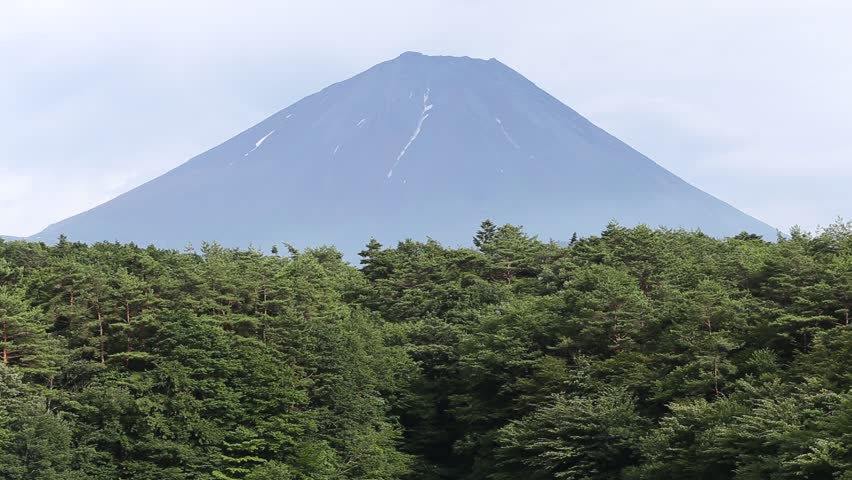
[[417, 146]]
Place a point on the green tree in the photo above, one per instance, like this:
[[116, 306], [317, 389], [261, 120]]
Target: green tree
[[486, 233], [572, 439]]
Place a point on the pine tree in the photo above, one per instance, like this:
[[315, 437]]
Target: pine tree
[[572, 439], [371, 260], [574, 239], [24, 341], [486, 233], [373, 247], [512, 252]]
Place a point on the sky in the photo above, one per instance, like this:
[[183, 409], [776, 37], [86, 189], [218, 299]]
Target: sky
[[749, 101]]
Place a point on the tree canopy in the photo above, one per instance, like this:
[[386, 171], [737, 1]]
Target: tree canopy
[[636, 354]]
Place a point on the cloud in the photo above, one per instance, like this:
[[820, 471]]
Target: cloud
[[12, 187]]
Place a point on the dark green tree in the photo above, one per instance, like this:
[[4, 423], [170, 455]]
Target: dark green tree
[[486, 233]]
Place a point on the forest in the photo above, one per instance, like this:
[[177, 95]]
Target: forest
[[636, 354]]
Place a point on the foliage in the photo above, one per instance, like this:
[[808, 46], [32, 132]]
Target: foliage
[[636, 354]]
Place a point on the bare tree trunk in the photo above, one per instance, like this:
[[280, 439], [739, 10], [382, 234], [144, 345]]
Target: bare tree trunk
[[128, 320], [100, 333], [5, 339], [716, 375]]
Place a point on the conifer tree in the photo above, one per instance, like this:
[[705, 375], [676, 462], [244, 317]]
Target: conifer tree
[[486, 233]]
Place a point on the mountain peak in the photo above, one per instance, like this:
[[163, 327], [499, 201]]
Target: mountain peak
[[410, 54], [416, 146], [412, 57]]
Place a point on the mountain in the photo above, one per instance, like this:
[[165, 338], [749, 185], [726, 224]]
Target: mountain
[[9, 238], [413, 147]]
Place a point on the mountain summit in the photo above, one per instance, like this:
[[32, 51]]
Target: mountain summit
[[413, 147]]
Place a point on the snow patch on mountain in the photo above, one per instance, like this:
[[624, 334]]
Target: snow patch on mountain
[[506, 134], [259, 143], [423, 116]]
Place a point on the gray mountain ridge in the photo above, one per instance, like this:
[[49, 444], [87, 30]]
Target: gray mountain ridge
[[415, 147]]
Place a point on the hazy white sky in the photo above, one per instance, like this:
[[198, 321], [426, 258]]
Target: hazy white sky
[[750, 101]]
